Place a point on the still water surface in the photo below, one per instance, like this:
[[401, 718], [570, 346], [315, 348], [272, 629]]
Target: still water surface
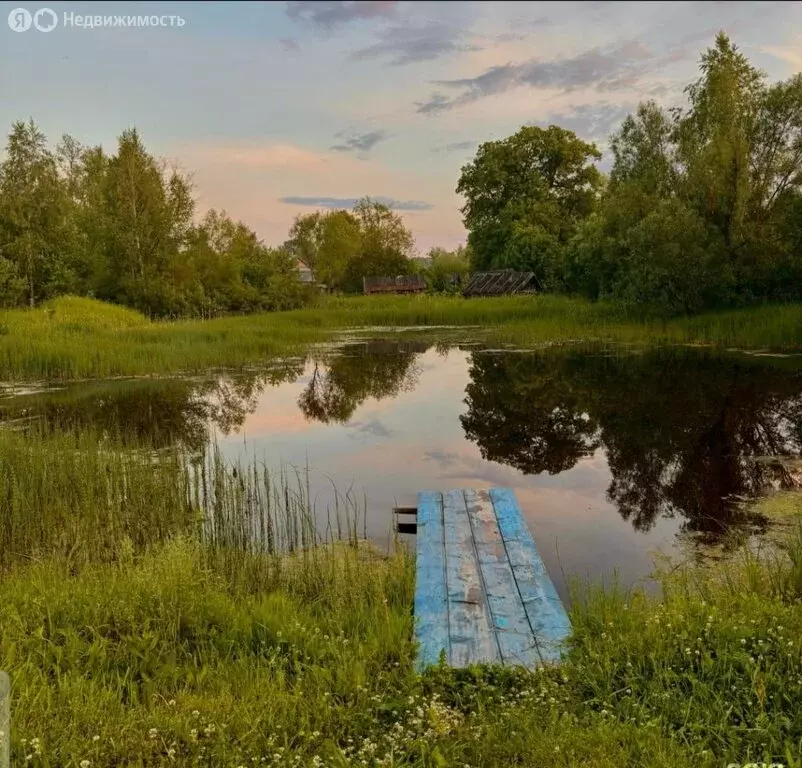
[[613, 453]]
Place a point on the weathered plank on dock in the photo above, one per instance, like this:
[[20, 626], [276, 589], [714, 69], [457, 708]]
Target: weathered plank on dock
[[483, 594], [431, 607], [470, 631]]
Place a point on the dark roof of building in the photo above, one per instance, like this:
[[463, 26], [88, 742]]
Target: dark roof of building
[[501, 282]]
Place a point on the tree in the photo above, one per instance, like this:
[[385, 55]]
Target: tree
[[305, 239], [32, 212], [702, 205], [386, 244], [525, 196], [327, 243], [341, 247], [447, 269]]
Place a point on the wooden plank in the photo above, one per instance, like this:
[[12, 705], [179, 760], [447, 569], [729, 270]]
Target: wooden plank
[[543, 606], [431, 607], [470, 635], [510, 622]]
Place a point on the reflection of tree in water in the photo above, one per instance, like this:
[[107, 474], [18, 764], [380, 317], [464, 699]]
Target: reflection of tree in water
[[520, 413], [155, 413], [680, 429], [373, 369]]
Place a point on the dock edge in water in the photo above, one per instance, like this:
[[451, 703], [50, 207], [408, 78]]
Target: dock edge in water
[[482, 592]]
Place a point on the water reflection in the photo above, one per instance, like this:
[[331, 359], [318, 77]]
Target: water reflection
[[680, 428], [378, 369], [667, 433], [157, 412]]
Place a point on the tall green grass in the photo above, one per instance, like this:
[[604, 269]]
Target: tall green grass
[[195, 652], [81, 338], [147, 618], [82, 496], [76, 338]]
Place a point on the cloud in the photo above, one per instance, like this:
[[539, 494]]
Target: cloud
[[290, 44], [457, 146], [350, 202], [592, 122], [325, 15], [403, 44], [362, 142], [614, 70]]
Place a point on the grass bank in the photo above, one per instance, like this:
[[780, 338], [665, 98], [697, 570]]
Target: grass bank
[[136, 636], [81, 338]]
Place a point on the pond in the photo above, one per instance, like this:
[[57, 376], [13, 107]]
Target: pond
[[613, 452]]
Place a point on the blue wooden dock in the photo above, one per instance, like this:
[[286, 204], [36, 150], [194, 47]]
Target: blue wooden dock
[[482, 592]]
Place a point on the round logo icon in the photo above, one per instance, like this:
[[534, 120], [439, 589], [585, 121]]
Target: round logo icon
[[45, 20], [20, 20]]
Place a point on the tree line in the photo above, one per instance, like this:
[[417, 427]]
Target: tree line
[[122, 227], [702, 207]]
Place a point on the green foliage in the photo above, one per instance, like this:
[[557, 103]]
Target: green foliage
[[341, 247], [524, 197], [121, 228], [704, 205], [32, 208], [447, 269], [327, 243]]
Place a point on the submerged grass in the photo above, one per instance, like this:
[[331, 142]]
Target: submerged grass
[[136, 635], [81, 338]]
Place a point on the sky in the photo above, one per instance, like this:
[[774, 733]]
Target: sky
[[281, 108]]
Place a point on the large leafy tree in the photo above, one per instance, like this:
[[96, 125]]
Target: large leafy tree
[[524, 197], [386, 244], [147, 218], [703, 205]]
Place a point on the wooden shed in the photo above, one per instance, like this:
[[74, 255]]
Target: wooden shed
[[501, 282], [400, 284]]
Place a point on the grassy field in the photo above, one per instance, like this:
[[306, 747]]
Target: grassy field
[[135, 635], [82, 338]]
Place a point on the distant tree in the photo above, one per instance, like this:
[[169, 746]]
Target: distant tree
[[341, 247], [386, 244], [305, 238], [525, 196], [444, 266], [327, 243]]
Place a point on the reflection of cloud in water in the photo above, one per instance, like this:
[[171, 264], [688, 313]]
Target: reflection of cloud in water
[[443, 458], [371, 427]]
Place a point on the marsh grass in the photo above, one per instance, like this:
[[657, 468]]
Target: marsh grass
[[81, 338], [178, 657], [140, 632], [81, 495]]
